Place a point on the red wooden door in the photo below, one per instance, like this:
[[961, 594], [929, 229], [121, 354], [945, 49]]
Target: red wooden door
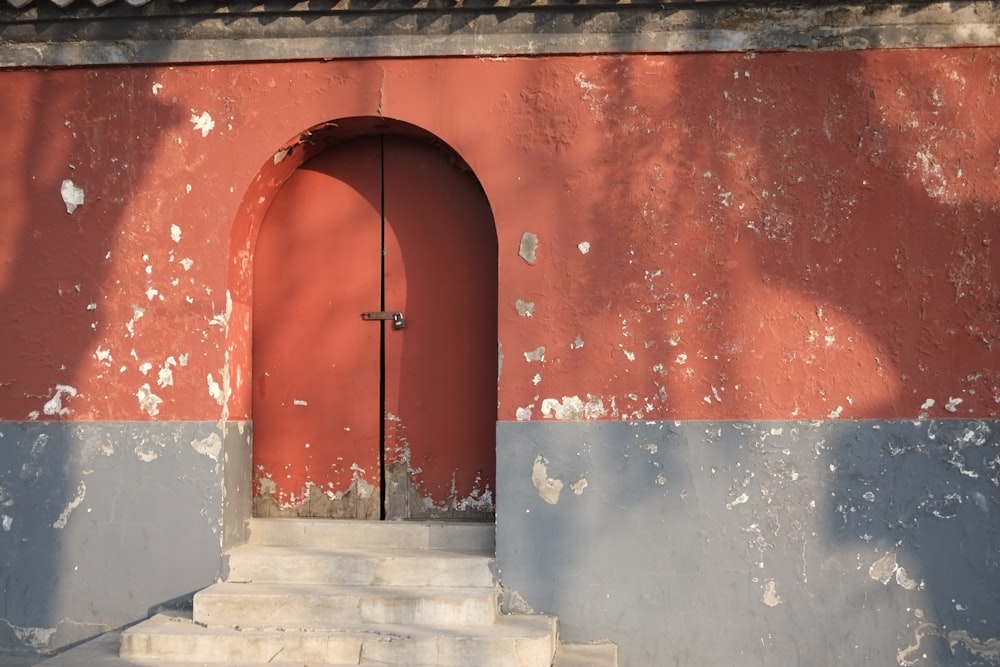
[[359, 418], [441, 370]]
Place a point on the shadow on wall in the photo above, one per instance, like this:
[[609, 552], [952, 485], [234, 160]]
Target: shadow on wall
[[810, 237], [75, 154]]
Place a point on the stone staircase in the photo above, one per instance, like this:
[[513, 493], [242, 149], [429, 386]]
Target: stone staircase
[[328, 592]]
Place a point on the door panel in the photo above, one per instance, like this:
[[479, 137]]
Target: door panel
[[316, 385], [441, 370], [343, 406]]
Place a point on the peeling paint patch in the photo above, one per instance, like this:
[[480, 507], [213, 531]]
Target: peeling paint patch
[[523, 414], [148, 401], [203, 123], [572, 408], [529, 247], [165, 377], [6, 521], [81, 492], [281, 155], [770, 596], [584, 247], [984, 648], [538, 354], [72, 195], [34, 637], [578, 486], [54, 406], [210, 446], [215, 391], [144, 455], [952, 404], [886, 568], [175, 233], [738, 500], [883, 568], [524, 308], [548, 488], [577, 343]]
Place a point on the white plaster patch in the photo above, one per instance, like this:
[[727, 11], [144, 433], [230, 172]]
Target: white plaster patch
[[300, 402], [33, 637], [584, 247], [524, 308], [148, 401], [548, 488], [6, 522], [187, 263], [151, 293], [884, 568], [952, 404], [577, 343], [210, 446], [145, 367], [835, 414], [54, 405], [770, 596], [281, 155], [81, 492], [175, 233], [578, 486], [144, 455], [523, 414], [932, 176], [215, 391], [571, 407], [72, 195], [222, 319], [529, 247], [157, 87], [904, 579], [203, 123], [738, 500], [137, 314], [538, 354], [538, 378], [165, 378]]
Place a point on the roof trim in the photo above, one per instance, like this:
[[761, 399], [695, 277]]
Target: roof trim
[[188, 33]]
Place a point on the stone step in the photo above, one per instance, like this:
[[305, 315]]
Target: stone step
[[104, 652], [456, 536], [586, 655], [512, 641], [313, 606], [358, 566]]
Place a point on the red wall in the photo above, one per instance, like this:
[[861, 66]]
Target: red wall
[[774, 236]]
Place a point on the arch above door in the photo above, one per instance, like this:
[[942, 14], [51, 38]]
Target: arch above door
[[355, 416]]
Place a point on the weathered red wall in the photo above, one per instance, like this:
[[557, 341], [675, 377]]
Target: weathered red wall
[[719, 236]]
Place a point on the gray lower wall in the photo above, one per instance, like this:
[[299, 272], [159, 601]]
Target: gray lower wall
[[102, 522], [768, 543]]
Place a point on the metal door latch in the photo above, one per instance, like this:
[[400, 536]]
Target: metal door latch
[[394, 316]]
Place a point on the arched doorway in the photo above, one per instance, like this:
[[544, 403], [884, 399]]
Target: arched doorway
[[374, 337]]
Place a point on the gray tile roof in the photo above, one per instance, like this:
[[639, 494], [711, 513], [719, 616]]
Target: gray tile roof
[[66, 3]]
